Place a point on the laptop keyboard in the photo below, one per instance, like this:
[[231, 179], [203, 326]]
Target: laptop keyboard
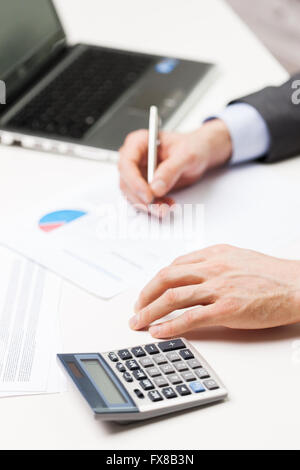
[[74, 101]]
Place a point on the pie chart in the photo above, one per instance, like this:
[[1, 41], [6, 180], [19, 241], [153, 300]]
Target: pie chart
[[55, 220]]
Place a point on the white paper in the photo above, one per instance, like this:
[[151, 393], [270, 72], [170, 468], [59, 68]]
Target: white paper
[[29, 302], [109, 247], [250, 206]]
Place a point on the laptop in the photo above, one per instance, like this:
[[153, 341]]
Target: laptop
[[81, 99]]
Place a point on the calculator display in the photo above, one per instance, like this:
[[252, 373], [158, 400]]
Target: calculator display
[[103, 381]]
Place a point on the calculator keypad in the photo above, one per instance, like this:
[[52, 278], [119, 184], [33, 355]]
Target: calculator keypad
[[165, 370]]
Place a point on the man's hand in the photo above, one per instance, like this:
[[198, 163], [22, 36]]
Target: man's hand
[[227, 286], [182, 160]]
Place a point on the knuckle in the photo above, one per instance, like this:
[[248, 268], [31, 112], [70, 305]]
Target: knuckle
[[145, 317], [171, 297], [163, 275], [178, 260], [190, 318]]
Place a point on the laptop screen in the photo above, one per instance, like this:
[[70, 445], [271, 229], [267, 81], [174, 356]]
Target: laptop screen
[[27, 28]]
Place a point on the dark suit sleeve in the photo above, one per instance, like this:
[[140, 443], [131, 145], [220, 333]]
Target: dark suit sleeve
[[282, 118]]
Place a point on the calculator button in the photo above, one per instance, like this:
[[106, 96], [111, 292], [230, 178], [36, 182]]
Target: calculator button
[[147, 384], [127, 377], [160, 359], [171, 345], [211, 384], [124, 354], [153, 371], [138, 393], [183, 390], [180, 366], [154, 395], [160, 382], [173, 357], [132, 364], [188, 376], [194, 364], [197, 387], [202, 373], [113, 357], [169, 392], [146, 362], [186, 354], [167, 369], [139, 374], [175, 379], [138, 352], [151, 349], [120, 367]]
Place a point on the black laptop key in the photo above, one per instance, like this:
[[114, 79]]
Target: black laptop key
[[75, 100]]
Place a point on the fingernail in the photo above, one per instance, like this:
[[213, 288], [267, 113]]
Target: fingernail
[[155, 330], [136, 306], [133, 322], [159, 187], [143, 197]]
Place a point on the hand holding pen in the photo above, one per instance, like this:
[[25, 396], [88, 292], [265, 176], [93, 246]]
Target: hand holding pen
[[182, 159]]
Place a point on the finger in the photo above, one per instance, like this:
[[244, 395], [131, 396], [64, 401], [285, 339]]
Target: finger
[[192, 258], [188, 321], [172, 299], [170, 277], [167, 174], [132, 154]]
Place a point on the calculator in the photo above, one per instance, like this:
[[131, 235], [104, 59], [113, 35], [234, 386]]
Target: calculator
[[144, 381]]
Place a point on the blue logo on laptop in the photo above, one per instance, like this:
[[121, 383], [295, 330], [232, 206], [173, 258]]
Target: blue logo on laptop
[[166, 65]]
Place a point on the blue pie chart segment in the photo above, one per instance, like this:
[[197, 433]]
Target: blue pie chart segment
[[54, 220]]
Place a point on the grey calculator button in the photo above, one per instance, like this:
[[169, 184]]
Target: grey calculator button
[[138, 393], [132, 364], [120, 366], [113, 357], [146, 362], [138, 351], [127, 377], [211, 384], [193, 363], [169, 392], [160, 382], [180, 366], [154, 395], [186, 354], [153, 371], [147, 384], [173, 356], [175, 379], [151, 349], [160, 359], [124, 354], [167, 369], [188, 376], [171, 345], [202, 373], [139, 374], [183, 390]]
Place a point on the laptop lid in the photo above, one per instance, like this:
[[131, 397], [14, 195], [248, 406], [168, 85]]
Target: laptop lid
[[31, 34]]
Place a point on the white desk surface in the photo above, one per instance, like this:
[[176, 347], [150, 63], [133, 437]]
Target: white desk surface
[[257, 367]]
